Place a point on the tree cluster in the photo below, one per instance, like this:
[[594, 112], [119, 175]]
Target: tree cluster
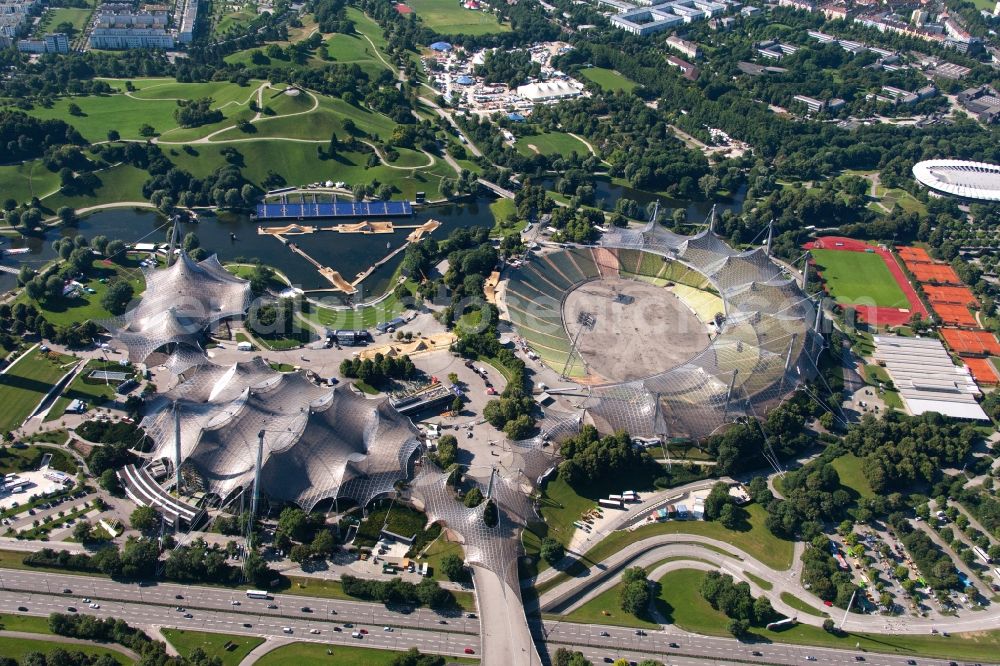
[[196, 112], [734, 599], [376, 371], [398, 592], [589, 458]]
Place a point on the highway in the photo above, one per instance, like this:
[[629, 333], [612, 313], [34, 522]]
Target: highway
[[693, 649], [197, 598], [241, 622], [211, 610]]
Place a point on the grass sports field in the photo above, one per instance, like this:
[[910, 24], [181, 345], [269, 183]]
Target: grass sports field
[[548, 143], [214, 645], [859, 278], [609, 79], [448, 17], [24, 385]]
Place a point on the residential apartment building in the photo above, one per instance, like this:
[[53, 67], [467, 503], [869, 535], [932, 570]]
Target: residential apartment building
[[51, 43]]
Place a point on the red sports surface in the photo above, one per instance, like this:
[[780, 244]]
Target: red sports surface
[[870, 314], [982, 343], [982, 370]]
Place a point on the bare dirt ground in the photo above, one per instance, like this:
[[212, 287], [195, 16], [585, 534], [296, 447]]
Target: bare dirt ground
[[631, 340]]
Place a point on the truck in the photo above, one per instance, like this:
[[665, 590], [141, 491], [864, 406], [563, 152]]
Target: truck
[[610, 503], [257, 594]]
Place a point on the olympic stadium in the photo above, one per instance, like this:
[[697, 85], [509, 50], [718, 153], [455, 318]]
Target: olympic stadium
[[976, 181], [669, 335]]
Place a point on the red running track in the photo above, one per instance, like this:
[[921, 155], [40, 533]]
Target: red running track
[[870, 314]]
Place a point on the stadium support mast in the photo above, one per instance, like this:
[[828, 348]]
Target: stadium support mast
[[173, 240], [256, 475], [177, 460], [818, 326], [805, 271], [770, 235], [489, 489], [729, 393], [656, 212], [711, 221]]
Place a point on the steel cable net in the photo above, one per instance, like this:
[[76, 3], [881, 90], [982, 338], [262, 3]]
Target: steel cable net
[[763, 349], [494, 548], [534, 456], [180, 302], [319, 443]]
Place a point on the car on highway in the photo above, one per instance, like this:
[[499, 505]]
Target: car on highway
[[357, 634], [809, 657], [640, 632], [314, 631], [179, 609], [858, 657], [85, 600], [234, 602], [386, 628], [67, 591], [333, 611], [95, 606], [178, 596], [469, 651], [471, 616], [306, 609], [442, 621], [272, 606], [247, 625], [188, 615], [364, 631], [22, 608], [609, 660], [757, 653], [287, 630], [911, 662], [337, 629], [674, 645], [348, 625], [71, 609], [604, 633]]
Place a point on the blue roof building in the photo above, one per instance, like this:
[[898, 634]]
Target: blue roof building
[[441, 46]]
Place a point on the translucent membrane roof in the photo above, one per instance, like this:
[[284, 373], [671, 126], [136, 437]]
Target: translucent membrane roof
[[318, 443], [180, 302], [764, 348]]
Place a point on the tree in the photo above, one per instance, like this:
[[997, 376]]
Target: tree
[[552, 551], [728, 517], [456, 404], [453, 567], [473, 498], [829, 625], [324, 544], [83, 531], [447, 452], [738, 628], [634, 596], [294, 522], [144, 519], [113, 135], [301, 553], [116, 299], [109, 481]]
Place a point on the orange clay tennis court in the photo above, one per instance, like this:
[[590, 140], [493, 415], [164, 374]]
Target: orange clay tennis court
[[982, 370], [940, 273], [914, 255], [950, 295], [981, 343], [955, 315]]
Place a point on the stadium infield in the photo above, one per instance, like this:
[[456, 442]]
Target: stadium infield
[[866, 278]]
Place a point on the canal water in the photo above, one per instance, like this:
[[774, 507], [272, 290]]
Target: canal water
[[235, 238]]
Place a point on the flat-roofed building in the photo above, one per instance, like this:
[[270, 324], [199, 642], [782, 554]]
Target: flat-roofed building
[[131, 38], [814, 105], [927, 379], [52, 43]]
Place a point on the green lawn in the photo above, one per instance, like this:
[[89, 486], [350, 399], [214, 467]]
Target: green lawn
[[28, 458], [608, 79], [548, 143], [26, 180], [447, 17], [29, 623], [560, 507], [437, 552], [322, 588], [800, 605], [605, 608], [859, 278], [502, 209], [64, 311], [363, 317], [18, 648], [311, 654], [94, 392], [681, 601], [758, 581], [24, 385], [122, 182], [230, 649], [849, 468], [354, 49]]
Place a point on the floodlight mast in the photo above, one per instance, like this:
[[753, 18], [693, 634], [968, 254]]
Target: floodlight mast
[[256, 475]]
